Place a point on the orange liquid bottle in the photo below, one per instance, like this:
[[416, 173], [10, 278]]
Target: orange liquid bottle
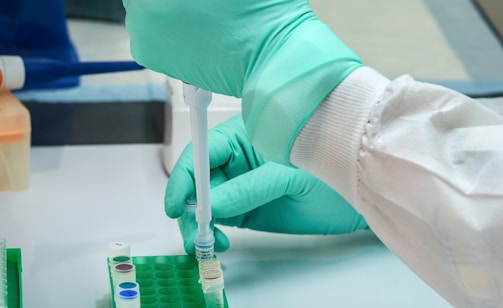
[[15, 138]]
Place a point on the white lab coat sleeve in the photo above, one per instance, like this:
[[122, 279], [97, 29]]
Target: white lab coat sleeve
[[424, 165]]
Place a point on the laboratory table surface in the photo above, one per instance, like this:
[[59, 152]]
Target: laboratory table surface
[[81, 198]]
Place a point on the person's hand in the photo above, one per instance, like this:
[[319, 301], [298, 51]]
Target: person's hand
[[276, 54], [251, 192]]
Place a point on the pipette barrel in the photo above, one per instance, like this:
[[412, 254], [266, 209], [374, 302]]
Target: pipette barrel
[[198, 101]]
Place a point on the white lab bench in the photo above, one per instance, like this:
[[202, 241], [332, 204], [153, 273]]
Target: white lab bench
[[83, 197]]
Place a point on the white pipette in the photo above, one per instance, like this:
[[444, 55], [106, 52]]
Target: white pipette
[[198, 101]]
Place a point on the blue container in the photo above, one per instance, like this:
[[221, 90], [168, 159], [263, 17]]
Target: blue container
[[38, 29]]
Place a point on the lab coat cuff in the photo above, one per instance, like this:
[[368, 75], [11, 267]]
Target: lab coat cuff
[[329, 144]]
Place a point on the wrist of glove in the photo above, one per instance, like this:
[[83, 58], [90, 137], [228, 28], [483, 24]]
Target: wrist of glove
[[342, 117], [282, 94], [249, 191]]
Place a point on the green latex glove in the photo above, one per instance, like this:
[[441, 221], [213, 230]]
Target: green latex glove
[[275, 54], [248, 191]]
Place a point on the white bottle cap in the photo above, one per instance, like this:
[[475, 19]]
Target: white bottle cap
[[12, 72], [119, 248]]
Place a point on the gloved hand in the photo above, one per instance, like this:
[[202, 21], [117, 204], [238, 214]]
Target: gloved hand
[[276, 54], [251, 192]]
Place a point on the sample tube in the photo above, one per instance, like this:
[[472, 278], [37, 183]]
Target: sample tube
[[118, 252], [204, 244], [123, 272], [119, 248], [121, 259], [126, 286], [128, 299], [3, 273], [190, 205], [212, 283]]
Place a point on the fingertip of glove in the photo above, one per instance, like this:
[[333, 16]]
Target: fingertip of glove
[[173, 211], [189, 248], [173, 206]]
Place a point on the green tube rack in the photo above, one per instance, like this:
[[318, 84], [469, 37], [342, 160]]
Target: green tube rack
[[14, 282], [167, 281]]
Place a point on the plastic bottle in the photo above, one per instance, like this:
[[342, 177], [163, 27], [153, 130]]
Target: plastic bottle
[[15, 138]]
